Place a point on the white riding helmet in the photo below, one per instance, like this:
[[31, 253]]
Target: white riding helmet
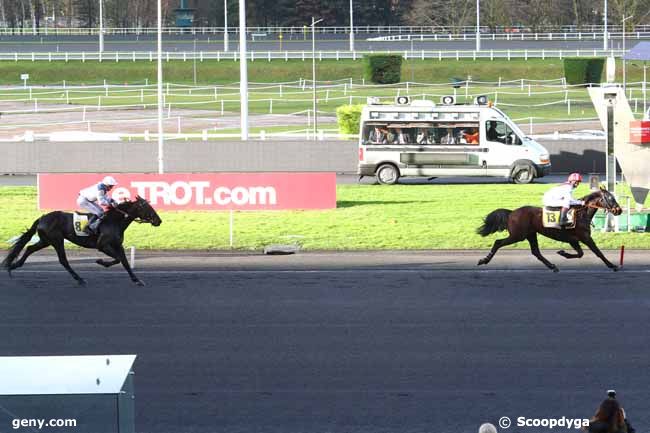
[[109, 181]]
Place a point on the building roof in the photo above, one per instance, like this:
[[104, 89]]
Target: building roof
[[640, 51]]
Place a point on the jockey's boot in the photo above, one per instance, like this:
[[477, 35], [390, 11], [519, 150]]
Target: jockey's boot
[[564, 218], [92, 226]]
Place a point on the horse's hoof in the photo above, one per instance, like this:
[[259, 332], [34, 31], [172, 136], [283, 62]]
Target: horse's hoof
[[555, 269], [139, 283], [614, 268], [481, 262], [100, 262], [82, 282], [562, 253]]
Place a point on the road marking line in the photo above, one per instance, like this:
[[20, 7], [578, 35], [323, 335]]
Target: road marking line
[[339, 271]]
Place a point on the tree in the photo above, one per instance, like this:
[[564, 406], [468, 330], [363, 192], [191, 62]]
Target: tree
[[440, 13], [494, 13]]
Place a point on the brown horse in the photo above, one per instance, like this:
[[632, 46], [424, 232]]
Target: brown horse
[[526, 222]]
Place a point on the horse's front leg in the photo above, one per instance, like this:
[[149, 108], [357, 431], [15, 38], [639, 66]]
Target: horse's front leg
[[117, 252], [593, 247]]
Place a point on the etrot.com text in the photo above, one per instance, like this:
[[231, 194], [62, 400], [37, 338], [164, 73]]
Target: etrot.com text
[[200, 193]]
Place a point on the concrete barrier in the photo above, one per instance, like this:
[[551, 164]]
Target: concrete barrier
[[235, 156]]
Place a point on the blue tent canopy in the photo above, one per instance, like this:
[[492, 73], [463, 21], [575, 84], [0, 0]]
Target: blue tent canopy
[[640, 51]]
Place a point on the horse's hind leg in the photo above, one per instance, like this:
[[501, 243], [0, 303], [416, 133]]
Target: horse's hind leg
[[576, 246], [498, 244], [28, 252], [534, 248], [63, 259], [107, 263]]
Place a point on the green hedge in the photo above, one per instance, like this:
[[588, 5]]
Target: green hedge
[[382, 68], [349, 118], [583, 70]]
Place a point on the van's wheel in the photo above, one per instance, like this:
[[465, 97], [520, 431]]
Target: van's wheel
[[387, 174], [523, 174]]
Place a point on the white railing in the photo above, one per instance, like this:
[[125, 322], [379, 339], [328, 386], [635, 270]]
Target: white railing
[[79, 31], [538, 36], [132, 56]]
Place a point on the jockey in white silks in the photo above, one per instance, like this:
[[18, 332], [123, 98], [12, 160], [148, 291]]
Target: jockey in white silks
[[94, 197], [562, 196]]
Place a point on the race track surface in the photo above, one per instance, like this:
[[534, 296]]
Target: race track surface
[[346, 342]]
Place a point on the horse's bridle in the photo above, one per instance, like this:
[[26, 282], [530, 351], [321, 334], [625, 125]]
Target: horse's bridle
[[591, 206]]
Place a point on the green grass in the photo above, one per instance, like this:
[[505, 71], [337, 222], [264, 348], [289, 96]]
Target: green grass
[[512, 98], [227, 71], [291, 99], [366, 217]]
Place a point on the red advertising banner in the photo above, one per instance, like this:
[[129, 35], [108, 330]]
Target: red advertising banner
[[640, 132], [192, 191]]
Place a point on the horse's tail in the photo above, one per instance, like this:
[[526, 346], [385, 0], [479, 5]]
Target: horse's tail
[[495, 221], [19, 245]]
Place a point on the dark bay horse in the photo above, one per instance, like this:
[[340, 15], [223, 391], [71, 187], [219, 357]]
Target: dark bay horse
[[54, 227], [526, 223]]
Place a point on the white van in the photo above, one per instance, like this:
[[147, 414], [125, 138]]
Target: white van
[[420, 138]]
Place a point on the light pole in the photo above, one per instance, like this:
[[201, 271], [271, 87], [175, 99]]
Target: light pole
[[313, 72], [243, 72], [101, 26], [161, 166], [194, 61], [478, 25], [225, 25], [610, 168], [605, 36], [623, 58], [351, 27]]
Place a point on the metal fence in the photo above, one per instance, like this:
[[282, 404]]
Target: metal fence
[[132, 56], [538, 36], [513, 30]]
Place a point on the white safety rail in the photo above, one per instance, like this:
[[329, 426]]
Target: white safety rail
[[537, 36], [193, 31], [253, 56], [204, 109]]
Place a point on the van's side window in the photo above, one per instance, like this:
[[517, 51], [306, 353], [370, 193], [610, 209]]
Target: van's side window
[[501, 132], [377, 134]]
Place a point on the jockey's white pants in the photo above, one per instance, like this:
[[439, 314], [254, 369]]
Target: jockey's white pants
[[558, 202], [90, 206]]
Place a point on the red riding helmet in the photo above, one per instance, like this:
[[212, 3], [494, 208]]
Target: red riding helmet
[[575, 177]]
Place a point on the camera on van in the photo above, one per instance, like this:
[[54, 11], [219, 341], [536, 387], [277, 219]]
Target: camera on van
[[448, 100], [402, 100], [481, 100]]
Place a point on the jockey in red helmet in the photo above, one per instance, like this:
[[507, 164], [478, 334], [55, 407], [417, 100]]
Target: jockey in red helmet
[[562, 196]]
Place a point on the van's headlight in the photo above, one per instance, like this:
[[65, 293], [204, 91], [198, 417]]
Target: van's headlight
[[544, 159]]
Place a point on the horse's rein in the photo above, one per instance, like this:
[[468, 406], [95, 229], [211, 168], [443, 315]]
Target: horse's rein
[[126, 215]]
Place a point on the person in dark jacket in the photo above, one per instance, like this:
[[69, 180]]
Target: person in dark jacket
[[610, 418]]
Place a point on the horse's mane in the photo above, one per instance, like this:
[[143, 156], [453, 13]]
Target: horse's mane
[[124, 205], [127, 203], [591, 196]]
